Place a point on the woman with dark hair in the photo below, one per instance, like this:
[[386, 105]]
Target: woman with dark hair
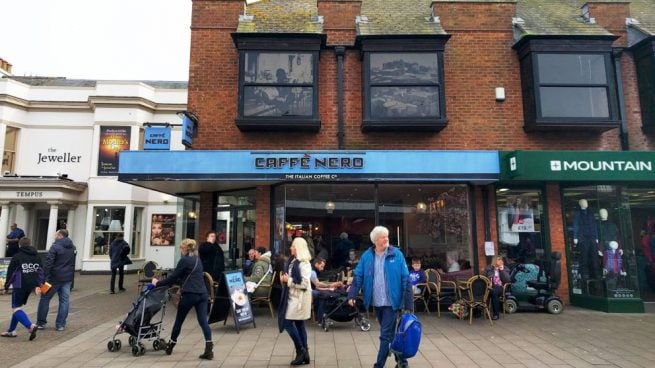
[[211, 256], [188, 274], [296, 300]]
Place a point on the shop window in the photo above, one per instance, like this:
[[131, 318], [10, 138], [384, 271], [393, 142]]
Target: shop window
[[403, 90], [430, 222], [108, 222], [519, 219], [568, 85], [278, 83], [644, 56], [599, 240], [9, 153]]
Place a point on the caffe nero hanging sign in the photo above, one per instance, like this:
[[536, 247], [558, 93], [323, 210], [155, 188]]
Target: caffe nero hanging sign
[[578, 166]]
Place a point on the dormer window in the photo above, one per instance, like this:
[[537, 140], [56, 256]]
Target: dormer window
[[403, 86], [278, 83], [568, 85]]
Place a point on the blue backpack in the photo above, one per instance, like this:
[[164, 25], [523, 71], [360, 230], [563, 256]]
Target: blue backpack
[[408, 337]]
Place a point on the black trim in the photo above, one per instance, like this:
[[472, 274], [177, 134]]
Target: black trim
[[528, 50], [644, 59], [402, 44]]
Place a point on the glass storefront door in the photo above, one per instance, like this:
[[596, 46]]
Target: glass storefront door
[[235, 225]]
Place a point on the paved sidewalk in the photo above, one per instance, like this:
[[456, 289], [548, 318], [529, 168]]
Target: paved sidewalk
[[577, 338]]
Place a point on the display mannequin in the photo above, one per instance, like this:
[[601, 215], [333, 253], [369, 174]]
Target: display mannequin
[[585, 236], [608, 231], [613, 265]]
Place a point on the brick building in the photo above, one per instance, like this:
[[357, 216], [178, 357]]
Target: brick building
[[455, 123]]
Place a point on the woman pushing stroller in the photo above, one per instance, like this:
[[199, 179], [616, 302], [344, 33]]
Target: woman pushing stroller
[[189, 275]]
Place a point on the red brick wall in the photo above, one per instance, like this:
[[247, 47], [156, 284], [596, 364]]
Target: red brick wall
[[206, 214], [557, 244], [263, 217], [339, 20], [612, 18]]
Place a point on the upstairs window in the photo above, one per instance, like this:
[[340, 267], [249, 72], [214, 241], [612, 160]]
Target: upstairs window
[[644, 58], [278, 82], [568, 85], [403, 84]]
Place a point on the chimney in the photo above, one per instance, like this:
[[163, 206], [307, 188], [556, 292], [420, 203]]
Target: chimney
[[5, 67]]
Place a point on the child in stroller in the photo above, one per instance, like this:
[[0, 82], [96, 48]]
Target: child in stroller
[[338, 310], [139, 321]]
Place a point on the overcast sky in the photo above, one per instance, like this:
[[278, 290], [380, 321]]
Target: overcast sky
[[97, 39]]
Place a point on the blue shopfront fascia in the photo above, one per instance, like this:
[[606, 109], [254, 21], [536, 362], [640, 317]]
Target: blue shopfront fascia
[[147, 168]]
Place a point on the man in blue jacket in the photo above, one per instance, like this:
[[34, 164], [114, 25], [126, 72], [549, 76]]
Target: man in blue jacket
[[59, 271], [383, 277]]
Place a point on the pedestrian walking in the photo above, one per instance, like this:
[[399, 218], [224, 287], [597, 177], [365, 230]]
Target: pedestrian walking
[[296, 300], [383, 277], [212, 257], [25, 274], [59, 271], [189, 275], [118, 251]]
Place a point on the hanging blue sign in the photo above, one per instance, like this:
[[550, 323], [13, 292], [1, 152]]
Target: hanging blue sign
[[157, 138], [189, 126]]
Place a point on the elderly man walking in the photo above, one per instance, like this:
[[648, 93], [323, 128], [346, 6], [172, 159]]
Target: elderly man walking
[[383, 277], [59, 271]]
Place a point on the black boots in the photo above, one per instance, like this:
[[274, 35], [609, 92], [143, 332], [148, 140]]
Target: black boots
[[208, 354], [302, 357], [169, 347]]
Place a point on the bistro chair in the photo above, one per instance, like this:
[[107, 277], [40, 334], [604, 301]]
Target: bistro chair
[[266, 299], [438, 289], [144, 276], [211, 288], [476, 296], [422, 296]]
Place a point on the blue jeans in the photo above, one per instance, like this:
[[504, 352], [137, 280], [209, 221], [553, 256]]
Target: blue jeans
[[387, 318], [297, 332], [64, 291], [188, 301]]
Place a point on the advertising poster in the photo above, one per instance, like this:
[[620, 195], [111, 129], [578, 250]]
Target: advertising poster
[[112, 140], [4, 264], [239, 301], [162, 230]]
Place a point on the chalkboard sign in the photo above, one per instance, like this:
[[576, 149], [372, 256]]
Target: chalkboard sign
[[4, 264], [239, 302]]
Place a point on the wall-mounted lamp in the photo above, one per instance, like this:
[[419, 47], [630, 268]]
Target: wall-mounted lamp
[[421, 207], [330, 206], [500, 94]]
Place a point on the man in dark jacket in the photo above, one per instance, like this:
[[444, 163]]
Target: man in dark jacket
[[25, 275], [118, 251], [59, 271]]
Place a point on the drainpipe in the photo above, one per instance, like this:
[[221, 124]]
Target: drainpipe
[[623, 134], [340, 52]]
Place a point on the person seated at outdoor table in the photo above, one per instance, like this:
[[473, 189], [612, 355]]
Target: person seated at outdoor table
[[417, 276], [261, 271], [320, 286], [498, 275], [249, 263]]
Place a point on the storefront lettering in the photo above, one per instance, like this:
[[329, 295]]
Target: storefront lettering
[[557, 165], [307, 162], [62, 158], [29, 194]]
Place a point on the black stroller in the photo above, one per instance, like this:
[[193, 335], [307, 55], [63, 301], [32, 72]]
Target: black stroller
[[139, 322], [338, 310]]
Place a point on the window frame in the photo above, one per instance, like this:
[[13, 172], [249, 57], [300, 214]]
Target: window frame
[[529, 51], [272, 43], [391, 45], [644, 59]]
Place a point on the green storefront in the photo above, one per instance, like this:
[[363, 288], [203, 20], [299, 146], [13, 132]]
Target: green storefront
[[607, 204]]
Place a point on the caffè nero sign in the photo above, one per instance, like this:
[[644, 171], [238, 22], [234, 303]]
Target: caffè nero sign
[[309, 162]]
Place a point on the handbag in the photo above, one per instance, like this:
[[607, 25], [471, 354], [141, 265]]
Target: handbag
[[176, 296]]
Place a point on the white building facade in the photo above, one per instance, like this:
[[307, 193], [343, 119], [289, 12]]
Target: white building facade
[[61, 144]]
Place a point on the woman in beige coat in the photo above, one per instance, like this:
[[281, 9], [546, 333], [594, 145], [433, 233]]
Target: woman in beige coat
[[298, 299]]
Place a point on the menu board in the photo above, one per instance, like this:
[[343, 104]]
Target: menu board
[[4, 264], [239, 302]]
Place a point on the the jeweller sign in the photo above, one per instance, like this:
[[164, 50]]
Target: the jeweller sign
[[578, 165]]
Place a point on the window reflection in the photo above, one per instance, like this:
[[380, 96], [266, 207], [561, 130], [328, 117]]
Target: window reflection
[[404, 68], [388, 102]]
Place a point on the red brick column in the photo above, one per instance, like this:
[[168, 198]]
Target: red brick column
[[263, 216], [557, 240], [206, 215]]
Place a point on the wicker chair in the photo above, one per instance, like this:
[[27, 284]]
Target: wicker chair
[[438, 289], [266, 299], [422, 296], [476, 296]]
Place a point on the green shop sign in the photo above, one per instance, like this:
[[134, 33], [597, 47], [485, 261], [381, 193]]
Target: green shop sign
[[577, 165]]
